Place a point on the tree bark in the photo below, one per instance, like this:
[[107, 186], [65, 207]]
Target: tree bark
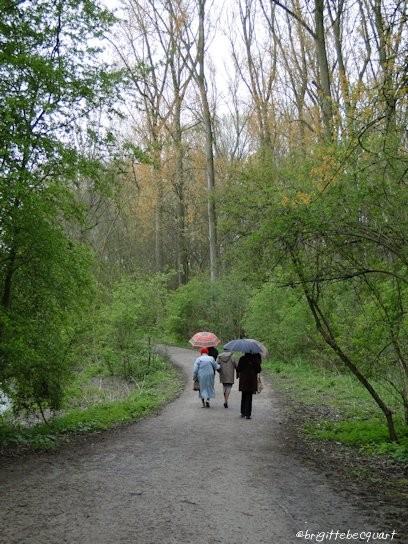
[[209, 144], [336, 22], [158, 212], [183, 260], [324, 73], [179, 88], [8, 278], [319, 36]]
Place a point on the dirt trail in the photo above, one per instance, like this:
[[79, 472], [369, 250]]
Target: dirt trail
[[189, 475]]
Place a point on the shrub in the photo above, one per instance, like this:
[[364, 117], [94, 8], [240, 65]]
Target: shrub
[[125, 328], [280, 318], [204, 305]]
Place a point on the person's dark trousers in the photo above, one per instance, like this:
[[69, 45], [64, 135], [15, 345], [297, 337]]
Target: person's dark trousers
[[246, 404]]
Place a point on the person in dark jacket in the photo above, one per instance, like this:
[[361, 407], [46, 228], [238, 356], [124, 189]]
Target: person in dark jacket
[[249, 366], [213, 352]]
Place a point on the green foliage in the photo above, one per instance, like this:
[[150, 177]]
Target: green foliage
[[50, 291], [138, 305], [125, 327], [51, 78], [329, 225], [204, 305], [278, 317]]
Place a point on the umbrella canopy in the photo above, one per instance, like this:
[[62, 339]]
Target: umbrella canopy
[[204, 339], [264, 351], [246, 345]]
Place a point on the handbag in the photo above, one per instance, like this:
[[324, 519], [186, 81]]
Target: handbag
[[196, 385], [259, 385]]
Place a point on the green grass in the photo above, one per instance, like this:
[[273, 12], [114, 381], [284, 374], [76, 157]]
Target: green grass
[[370, 435], [159, 387], [356, 420]]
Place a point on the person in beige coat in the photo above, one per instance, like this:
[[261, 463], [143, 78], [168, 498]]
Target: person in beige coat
[[227, 373]]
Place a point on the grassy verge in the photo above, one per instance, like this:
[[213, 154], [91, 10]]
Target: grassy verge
[[353, 416], [160, 386]]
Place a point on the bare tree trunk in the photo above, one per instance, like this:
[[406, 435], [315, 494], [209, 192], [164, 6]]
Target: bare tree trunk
[[158, 237], [336, 22], [389, 34], [209, 144], [182, 250], [405, 402], [296, 68], [7, 291], [158, 212], [319, 36], [8, 279], [324, 73], [178, 65], [260, 72]]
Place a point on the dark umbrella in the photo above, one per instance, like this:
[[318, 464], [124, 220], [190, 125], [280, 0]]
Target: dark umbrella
[[246, 345]]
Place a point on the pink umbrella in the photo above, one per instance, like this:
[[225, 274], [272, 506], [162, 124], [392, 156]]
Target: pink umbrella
[[204, 340]]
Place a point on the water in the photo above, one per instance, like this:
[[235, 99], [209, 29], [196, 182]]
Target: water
[[5, 403]]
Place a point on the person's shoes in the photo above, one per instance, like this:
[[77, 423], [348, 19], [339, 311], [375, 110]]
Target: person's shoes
[[225, 404], [242, 415], [202, 400], [207, 404], [248, 417]]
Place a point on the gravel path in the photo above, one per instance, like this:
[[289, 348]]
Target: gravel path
[[189, 475]]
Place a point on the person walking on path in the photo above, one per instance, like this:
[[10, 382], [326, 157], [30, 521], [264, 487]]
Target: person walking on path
[[249, 366], [213, 352], [227, 371], [204, 370]]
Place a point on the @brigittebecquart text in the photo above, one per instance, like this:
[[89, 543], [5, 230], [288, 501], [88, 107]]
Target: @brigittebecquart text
[[357, 536]]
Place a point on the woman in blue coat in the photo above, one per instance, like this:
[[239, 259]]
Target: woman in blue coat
[[204, 370]]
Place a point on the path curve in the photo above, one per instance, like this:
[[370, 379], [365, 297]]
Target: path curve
[[189, 475]]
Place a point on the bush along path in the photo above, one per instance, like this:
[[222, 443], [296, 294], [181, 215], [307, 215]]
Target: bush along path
[[187, 475]]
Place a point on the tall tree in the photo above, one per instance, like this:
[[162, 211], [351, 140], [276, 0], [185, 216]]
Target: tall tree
[[51, 78], [148, 71], [209, 141], [172, 24], [319, 35], [258, 71]]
